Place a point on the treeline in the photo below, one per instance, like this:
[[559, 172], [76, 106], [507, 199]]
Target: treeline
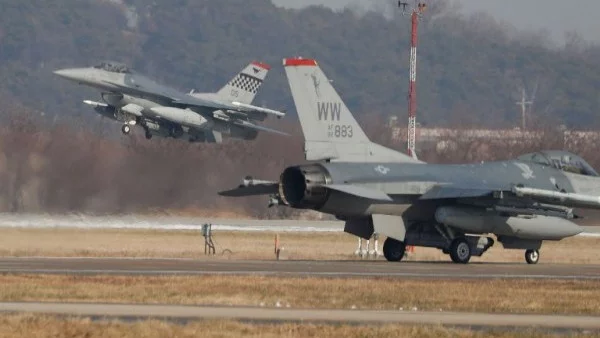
[[469, 67], [63, 169]]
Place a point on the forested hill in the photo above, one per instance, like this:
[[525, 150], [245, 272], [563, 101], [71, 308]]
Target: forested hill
[[469, 68]]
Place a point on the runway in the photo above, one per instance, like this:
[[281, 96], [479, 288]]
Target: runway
[[342, 269], [304, 315]]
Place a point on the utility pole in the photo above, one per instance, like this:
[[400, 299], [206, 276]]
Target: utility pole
[[524, 103], [416, 12]]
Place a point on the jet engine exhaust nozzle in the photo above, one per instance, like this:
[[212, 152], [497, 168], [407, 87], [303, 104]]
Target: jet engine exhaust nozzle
[[302, 187]]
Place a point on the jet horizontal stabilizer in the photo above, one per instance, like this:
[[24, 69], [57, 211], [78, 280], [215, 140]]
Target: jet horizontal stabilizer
[[253, 190], [359, 191]]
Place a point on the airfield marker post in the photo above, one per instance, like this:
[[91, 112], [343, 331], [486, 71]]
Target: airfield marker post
[[209, 246], [277, 248]]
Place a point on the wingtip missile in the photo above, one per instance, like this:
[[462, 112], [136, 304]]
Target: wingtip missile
[[258, 109], [249, 181], [95, 104]]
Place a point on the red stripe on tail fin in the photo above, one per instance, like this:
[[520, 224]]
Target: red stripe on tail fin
[[299, 62], [261, 65]]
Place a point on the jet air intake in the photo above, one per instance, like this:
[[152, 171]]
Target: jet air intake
[[302, 186]]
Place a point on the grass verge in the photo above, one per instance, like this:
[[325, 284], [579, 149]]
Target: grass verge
[[247, 245], [505, 296], [26, 326]]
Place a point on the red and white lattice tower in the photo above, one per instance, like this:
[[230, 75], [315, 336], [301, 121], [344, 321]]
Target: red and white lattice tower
[[416, 13]]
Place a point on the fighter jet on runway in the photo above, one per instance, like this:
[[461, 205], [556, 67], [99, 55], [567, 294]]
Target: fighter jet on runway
[[450, 207], [134, 99]]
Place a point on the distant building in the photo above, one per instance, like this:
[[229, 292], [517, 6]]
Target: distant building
[[439, 138]]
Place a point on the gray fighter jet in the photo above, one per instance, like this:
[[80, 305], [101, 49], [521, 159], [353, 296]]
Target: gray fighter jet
[[450, 207], [134, 99]]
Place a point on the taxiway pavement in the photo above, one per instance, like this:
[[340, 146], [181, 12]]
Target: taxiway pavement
[[342, 269], [302, 315]]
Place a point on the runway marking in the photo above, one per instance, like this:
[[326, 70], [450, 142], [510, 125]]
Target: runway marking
[[292, 274], [310, 315]]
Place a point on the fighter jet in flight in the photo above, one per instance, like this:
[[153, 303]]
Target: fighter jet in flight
[[454, 208], [134, 99]]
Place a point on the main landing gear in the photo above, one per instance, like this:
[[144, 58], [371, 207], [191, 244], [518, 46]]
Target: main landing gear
[[460, 250], [532, 256], [393, 249]]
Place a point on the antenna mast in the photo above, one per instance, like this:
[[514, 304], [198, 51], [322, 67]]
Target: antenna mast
[[524, 103], [416, 12]]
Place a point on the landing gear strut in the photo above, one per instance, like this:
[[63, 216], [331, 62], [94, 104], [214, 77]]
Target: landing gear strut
[[460, 251], [126, 129], [393, 249], [532, 256]]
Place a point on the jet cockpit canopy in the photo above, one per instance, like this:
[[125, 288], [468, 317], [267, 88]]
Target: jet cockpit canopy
[[113, 67], [562, 160]]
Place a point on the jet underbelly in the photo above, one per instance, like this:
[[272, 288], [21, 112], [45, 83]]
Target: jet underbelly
[[339, 203], [120, 101]]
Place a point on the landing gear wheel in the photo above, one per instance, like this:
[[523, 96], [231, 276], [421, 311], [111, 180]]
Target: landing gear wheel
[[126, 129], [460, 251], [532, 256], [148, 135], [393, 249]]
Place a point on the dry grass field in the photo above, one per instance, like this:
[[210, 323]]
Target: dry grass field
[[502, 296], [26, 326], [246, 245]]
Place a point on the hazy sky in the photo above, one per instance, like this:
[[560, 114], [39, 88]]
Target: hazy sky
[[555, 16]]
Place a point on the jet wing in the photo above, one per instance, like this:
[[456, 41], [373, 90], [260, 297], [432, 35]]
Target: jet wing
[[246, 124], [271, 187], [184, 100], [191, 101], [251, 187], [179, 99], [141, 92], [195, 101]]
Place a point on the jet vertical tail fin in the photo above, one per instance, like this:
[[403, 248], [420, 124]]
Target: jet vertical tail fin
[[330, 130], [244, 86]]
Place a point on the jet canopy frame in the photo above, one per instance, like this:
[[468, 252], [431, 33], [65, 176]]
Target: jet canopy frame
[[114, 67], [561, 160]]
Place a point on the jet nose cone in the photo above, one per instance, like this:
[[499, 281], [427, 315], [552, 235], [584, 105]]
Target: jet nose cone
[[73, 74]]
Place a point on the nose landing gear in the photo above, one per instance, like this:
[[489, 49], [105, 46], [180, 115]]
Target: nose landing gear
[[126, 129]]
